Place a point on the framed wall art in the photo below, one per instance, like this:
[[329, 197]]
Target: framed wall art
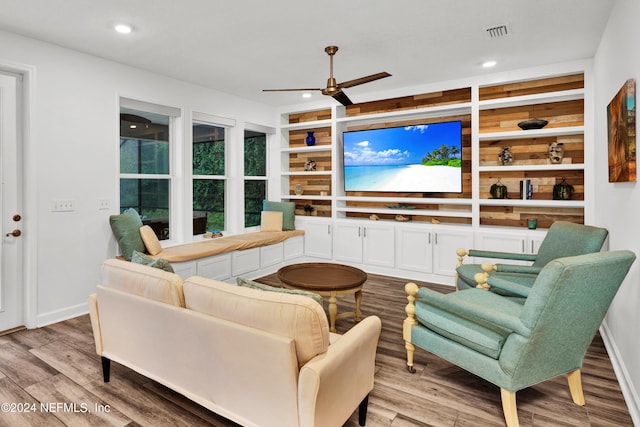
[[621, 126]]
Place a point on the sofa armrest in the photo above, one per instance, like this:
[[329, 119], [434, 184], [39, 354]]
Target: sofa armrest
[[332, 385], [95, 322]]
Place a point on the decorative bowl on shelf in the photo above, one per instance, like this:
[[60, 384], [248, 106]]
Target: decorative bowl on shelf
[[532, 124]]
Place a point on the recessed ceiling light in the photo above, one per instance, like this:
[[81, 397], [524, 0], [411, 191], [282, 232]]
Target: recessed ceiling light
[[306, 95], [123, 28], [489, 64]]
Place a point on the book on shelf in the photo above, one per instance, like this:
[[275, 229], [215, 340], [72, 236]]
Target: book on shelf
[[526, 189]]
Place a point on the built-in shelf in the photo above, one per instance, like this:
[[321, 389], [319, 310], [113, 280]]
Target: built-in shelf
[[307, 149], [540, 98], [307, 125], [518, 168], [406, 212], [405, 200], [426, 112], [533, 133], [533, 203], [304, 197], [309, 173]]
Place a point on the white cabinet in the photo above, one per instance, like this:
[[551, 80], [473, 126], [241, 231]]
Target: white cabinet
[[430, 249], [216, 267], [317, 238], [414, 248], [357, 242], [521, 242]]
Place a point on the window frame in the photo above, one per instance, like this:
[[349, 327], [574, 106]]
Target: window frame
[[268, 132]]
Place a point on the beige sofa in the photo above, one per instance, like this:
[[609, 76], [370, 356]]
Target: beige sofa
[[257, 357]]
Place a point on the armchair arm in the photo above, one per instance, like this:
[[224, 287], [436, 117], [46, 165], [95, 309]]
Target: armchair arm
[[333, 384], [510, 268], [475, 304], [502, 255], [509, 286]]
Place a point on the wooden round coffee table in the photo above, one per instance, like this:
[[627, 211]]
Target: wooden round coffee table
[[327, 280]]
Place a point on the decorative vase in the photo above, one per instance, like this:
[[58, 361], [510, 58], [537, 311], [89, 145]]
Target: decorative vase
[[498, 190], [505, 157], [563, 190], [310, 139], [556, 152]]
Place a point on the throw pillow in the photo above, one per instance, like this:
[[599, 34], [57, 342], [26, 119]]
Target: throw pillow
[[126, 229], [162, 264], [287, 209], [150, 240], [256, 285], [270, 221]]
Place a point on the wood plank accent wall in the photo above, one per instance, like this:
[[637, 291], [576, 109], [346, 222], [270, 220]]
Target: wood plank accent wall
[[516, 216], [551, 84], [446, 97], [532, 151], [310, 116], [558, 114]]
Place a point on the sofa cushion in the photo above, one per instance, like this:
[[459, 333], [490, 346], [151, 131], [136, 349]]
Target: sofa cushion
[[161, 263], [256, 285], [126, 229], [150, 240], [143, 281], [270, 221], [293, 316], [287, 209]]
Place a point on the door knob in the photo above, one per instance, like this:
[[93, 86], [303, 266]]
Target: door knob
[[14, 233]]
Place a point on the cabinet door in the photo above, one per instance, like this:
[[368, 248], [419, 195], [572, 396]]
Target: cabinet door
[[414, 249], [378, 245], [445, 244], [347, 242], [317, 239], [511, 241]]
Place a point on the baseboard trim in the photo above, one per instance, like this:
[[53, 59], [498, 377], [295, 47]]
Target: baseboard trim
[[629, 392], [62, 314]]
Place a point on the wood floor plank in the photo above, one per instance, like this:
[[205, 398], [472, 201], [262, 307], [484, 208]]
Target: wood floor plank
[[24, 410], [59, 362], [74, 405]]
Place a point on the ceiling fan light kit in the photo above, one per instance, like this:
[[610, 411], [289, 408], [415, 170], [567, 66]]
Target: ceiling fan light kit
[[333, 88]]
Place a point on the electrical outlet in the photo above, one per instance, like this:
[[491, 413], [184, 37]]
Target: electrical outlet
[[66, 205], [104, 204]]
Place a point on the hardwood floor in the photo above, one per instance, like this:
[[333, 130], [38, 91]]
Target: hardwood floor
[[55, 368]]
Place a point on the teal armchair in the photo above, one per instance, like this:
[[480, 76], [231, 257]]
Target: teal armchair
[[515, 345], [562, 240]]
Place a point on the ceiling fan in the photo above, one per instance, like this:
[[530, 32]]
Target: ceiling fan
[[334, 89]]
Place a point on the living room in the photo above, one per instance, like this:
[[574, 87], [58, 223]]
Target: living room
[[70, 153]]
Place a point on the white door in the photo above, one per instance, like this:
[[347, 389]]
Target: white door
[[11, 287]]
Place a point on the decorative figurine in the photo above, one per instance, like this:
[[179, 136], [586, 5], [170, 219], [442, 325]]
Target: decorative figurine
[[505, 157]]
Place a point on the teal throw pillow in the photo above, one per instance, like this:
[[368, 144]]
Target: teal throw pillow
[[288, 212], [161, 263], [256, 285], [126, 229]]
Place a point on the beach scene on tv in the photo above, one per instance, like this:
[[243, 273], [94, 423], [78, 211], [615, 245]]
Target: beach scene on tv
[[418, 158]]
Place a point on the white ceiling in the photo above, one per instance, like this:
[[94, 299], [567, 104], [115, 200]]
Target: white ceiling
[[244, 46]]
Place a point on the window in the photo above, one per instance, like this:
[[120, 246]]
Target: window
[[209, 180], [255, 175], [145, 163]]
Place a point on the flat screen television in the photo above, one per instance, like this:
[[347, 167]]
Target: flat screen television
[[424, 158]]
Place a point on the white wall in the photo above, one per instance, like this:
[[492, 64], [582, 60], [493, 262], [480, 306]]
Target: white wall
[[74, 155], [618, 204]]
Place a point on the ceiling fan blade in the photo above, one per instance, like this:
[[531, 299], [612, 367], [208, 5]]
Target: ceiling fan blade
[[289, 90], [342, 98], [362, 80]]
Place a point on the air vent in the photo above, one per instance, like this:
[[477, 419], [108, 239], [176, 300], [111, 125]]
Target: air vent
[[497, 31]]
